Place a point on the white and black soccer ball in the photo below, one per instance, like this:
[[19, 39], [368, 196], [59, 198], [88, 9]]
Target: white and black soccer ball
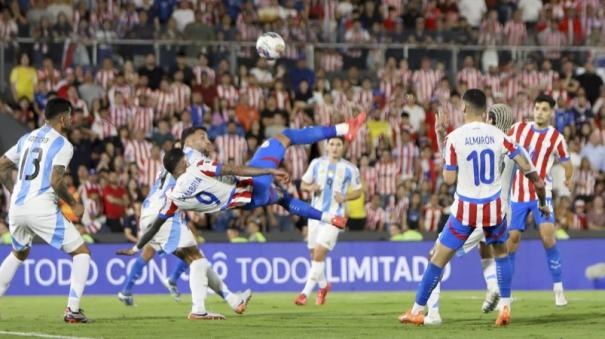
[[270, 45]]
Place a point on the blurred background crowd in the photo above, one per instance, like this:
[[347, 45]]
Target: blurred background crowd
[[134, 98]]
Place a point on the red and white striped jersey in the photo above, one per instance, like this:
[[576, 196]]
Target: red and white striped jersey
[[165, 103], [331, 62], [359, 145], [387, 173], [523, 111], [364, 98], [406, 77], [178, 128], [579, 222], [432, 215], [228, 92], [231, 147], [197, 73], [585, 181], [476, 150], [375, 217], [530, 79], [103, 128], [339, 97], [49, 78], [397, 211], [370, 177], [255, 96], [471, 76], [283, 100], [515, 33], [182, 96], [543, 146], [143, 91], [548, 80], [125, 90], [120, 116], [552, 38], [424, 82], [297, 160], [142, 119], [138, 152], [511, 88], [493, 81], [405, 156], [324, 114], [150, 171], [387, 87], [105, 77], [81, 105], [454, 113]]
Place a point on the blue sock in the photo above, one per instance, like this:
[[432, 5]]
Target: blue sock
[[179, 269], [133, 275], [554, 263], [309, 135], [512, 256], [300, 208], [430, 279], [504, 271]]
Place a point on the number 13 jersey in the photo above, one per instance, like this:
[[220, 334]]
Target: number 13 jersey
[[476, 151], [35, 155]]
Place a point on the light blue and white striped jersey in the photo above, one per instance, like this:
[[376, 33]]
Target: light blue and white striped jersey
[[332, 178], [156, 198], [35, 155]]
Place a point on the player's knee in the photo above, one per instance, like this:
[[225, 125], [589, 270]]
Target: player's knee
[[320, 253], [22, 255], [83, 249]]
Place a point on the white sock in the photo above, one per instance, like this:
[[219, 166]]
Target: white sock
[[79, 275], [315, 272], [433, 302], [198, 282], [417, 309], [489, 274], [504, 302], [322, 282], [342, 129], [327, 217], [218, 285], [7, 271], [557, 287]]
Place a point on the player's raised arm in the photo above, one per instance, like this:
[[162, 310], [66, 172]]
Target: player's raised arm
[[245, 171]]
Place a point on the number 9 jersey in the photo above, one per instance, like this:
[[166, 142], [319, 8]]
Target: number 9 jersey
[[476, 151], [35, 155]]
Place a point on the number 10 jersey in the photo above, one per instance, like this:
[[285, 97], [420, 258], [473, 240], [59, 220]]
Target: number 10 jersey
[[476, 150]]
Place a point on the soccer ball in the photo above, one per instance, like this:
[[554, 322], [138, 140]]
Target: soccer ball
[[270, 45]]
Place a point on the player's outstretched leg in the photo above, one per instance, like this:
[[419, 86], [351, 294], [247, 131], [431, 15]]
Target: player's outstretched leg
[[125, 295], [433, 317], [237, 301], [316, 276], [9, 267], [488, 264], [79, 275], [313, 134], [504, 272], [553, 258], [170, 282], [303, 209]]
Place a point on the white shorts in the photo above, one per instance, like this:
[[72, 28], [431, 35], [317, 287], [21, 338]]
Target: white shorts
[[173, 234], [323, 234], [53, 228]]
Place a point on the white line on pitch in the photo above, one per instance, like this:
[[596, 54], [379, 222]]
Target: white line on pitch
[[39, 335]]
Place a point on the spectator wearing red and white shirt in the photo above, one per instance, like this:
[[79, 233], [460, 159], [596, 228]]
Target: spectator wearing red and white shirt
[[530, 78], [585, 179], [515, 30], [356, 34], [120, 86], [368, 175], [296, 161], [181, 92], [231, 147], [76, 102], [405, 73], [331, 61], [48, 75], [282, 96], [152, 167], [490, 30], [579, 221], [425, 80], [227, 91], [470, 74], [138, 150], [254, 93], [493, 80], [432, 215], [548, 77], [387, 172], [142, 116], [365, 97], [202, 67], [552, 37], [406, 154], [165, 100], [375, 215], [105, 75], [120, 113]]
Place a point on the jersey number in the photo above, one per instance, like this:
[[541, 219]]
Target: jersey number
[[207, 198], [35, 162], [479, 166]]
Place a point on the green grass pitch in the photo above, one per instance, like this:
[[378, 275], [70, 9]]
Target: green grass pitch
[[345, 315]]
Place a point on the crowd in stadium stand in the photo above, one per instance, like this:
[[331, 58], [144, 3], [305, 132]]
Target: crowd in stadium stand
[[130, 108]]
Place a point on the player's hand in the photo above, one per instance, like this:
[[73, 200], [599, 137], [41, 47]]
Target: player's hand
[[128, 252], [441, 123], [78, 210], [313, 189], [544, 210], [281, 176], [569, 184], [339, 197]]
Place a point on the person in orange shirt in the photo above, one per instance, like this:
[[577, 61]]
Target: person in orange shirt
[[245, 113]]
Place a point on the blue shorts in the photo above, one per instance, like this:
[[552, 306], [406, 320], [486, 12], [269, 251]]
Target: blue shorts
[[520, 210], [455, 234], [269, 155]]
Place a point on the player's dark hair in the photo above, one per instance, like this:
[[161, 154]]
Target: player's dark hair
[[475, 99], [545, 98], [189, 131], [172, 158], [55, 107]]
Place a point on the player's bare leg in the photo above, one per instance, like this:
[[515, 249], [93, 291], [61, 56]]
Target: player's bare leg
[[549, 241], [79, 275], [125, 295], [198, 282], [9, 267], [316, 276], [488, 264]]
